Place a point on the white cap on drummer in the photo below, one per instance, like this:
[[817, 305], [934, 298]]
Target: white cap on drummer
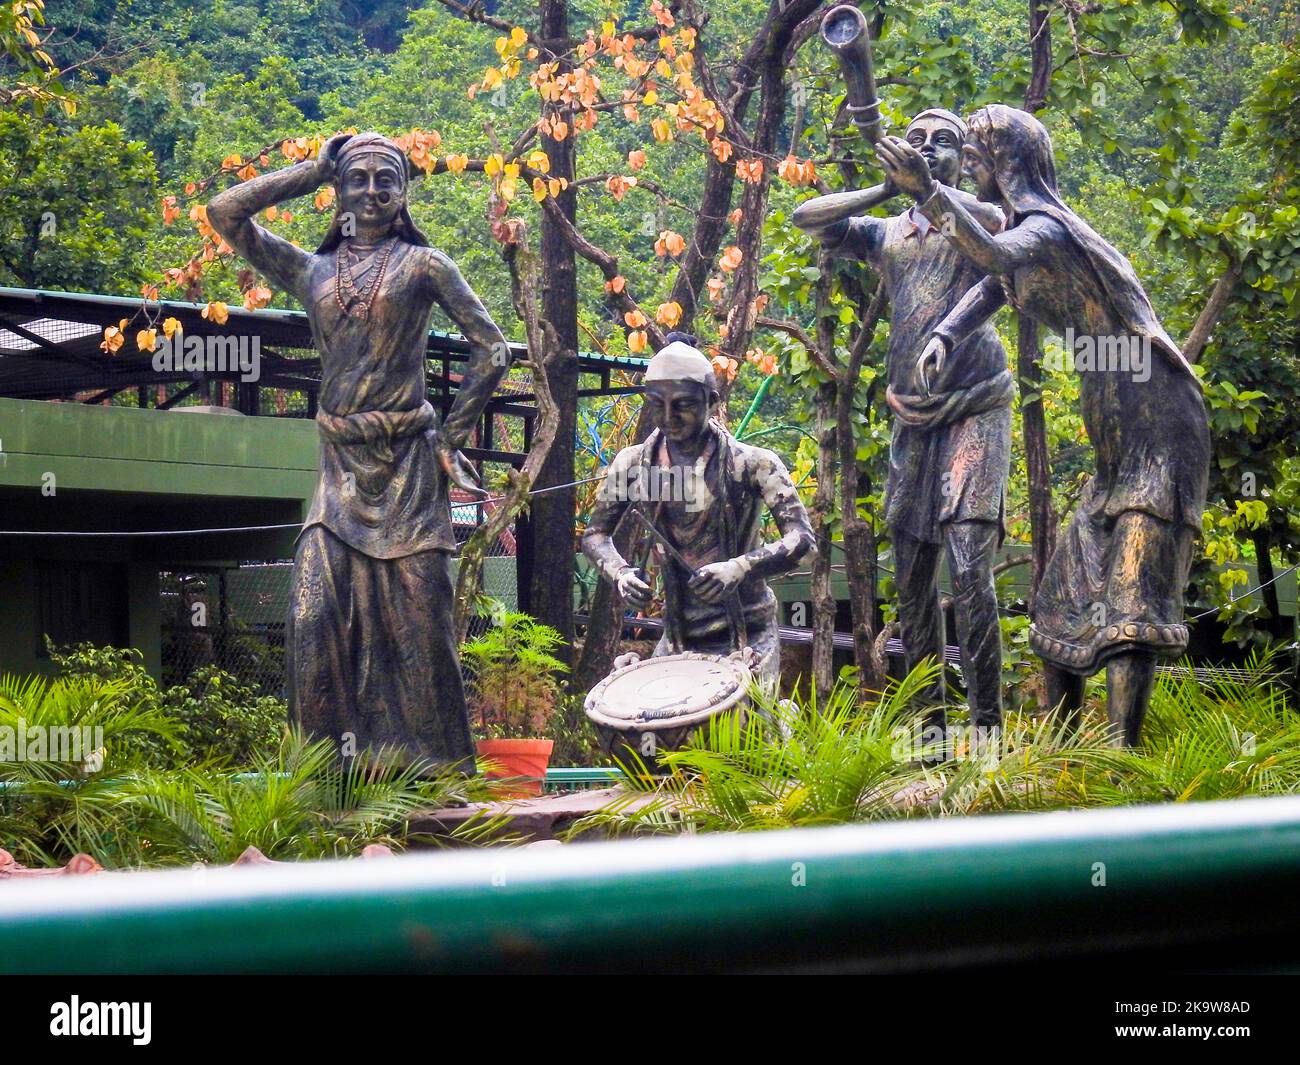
[[680, 361]]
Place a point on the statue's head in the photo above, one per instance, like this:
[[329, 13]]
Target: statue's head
[[939, 135], [371, 178], [1008, 157], [681, 389]]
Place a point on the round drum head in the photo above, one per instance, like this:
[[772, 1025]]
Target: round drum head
[[668, 691]]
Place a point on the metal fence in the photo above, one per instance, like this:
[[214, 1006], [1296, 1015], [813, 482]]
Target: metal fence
[[234, 617]]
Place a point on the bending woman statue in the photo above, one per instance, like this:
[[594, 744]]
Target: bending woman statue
[[371, 653], [1112, 593]]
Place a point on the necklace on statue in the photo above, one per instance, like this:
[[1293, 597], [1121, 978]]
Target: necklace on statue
[[352, 301]]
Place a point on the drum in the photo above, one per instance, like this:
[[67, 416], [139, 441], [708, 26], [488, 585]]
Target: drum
[[656, 704]]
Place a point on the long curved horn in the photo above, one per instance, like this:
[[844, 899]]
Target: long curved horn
[[844, 29]]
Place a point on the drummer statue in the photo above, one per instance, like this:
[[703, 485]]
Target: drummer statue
[[702, 493], [951, 448]]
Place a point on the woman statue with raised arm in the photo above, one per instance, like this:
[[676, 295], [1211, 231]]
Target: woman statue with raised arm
[[372, 658], [1112, 593]]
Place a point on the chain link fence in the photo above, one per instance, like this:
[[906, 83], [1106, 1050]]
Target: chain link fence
[[234, 617]]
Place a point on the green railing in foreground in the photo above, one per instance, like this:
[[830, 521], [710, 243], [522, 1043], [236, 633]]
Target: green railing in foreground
[[1219, 878]]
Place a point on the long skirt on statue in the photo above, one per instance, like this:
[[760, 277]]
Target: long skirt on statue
[[371, 652], [1114, 585]]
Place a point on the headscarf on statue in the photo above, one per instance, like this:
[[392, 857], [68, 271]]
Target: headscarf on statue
[[1021, 150], [374, 144]]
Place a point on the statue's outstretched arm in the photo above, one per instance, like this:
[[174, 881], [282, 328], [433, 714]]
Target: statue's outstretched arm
[[231, 213], [994, 253], [821, 212]]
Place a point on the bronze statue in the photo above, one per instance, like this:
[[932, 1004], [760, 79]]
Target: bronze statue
[[704, 491], [951, 446], [371, 653], [1112, 593]]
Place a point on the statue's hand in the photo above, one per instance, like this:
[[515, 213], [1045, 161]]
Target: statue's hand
[[327, 158], [715, 580], [930, 363], [905, 167], [633, 587], [460, 473]]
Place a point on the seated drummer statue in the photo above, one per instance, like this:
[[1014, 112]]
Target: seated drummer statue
[[703, 491]]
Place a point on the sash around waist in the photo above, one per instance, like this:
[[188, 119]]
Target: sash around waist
[[375, 426], [941, 408]]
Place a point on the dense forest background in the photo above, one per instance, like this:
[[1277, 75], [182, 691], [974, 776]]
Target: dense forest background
[[1174, 125]]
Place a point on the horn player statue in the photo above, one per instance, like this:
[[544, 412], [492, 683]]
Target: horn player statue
[[950, 450]]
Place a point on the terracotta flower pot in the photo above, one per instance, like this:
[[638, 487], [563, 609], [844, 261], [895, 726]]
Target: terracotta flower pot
[[518, 758]]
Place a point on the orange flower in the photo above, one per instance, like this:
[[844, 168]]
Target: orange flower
[[636, 159], [717, 286], [662, 131], [750, 170], [725, 367], [635, 319], [721, 149], [616, 284], [670, 243], [257, 296], [736, 215], [731, 258], [170, 211], [114, 337], [795, 172], [216, 312], [618, 186], [766, 363], [637, 340], [145, 339], [669, 314]]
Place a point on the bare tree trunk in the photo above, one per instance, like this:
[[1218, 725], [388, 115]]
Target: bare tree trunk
[[858, 534], [1042, 522], [543, 346], [823, 595], [551, 594], [1194, 345], [1029, 371]]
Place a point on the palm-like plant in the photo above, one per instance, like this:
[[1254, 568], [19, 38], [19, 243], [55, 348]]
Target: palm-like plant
[[1221, 735], [783, 766], [1227, 735], [300, 802], [53, 805]]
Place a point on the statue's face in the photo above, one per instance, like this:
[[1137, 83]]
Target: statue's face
[[940, 144], [977, 167], [680, 408], [372, 189]]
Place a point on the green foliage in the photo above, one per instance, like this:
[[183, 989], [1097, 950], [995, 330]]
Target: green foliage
[[216, 718], [845, 761], [76, 208], [54, 802], [513, 675], [299, 802]]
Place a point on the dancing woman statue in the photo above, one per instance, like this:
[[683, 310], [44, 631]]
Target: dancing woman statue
[[371, 648], [1112, 592]]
